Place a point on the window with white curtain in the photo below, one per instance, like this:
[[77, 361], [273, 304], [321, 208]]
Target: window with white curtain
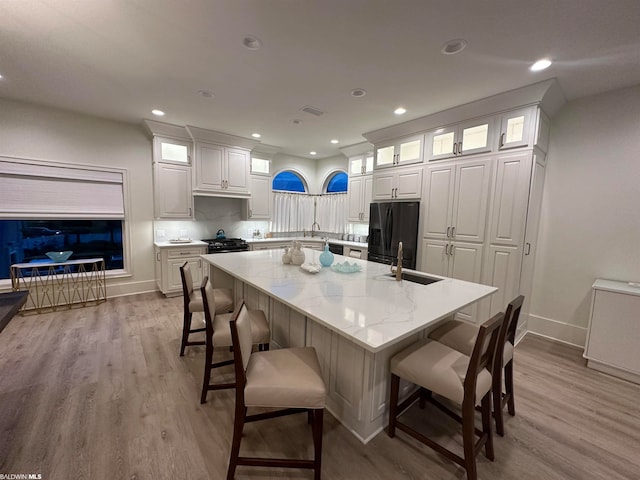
[[294, 212]]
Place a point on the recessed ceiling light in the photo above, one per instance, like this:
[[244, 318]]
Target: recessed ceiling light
[[453, 46], [313, 153], [158, 113], [251, 42], [206, 93], [296, 121], [400, 111], [256, 135], [358, 92], [1, 77], [334, 141], [540, 65]]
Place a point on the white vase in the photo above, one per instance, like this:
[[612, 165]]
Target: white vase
[[297, 255], [286, 256]]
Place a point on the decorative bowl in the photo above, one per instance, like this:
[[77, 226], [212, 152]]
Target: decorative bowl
[[346, 267], [59, 257]]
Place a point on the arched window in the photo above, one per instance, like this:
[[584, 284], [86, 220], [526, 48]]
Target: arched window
[[337, 183], [288, 181]]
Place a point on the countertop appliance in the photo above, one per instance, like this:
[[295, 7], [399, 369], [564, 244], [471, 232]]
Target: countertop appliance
[[390, 223], [225, 245], [336, 248]]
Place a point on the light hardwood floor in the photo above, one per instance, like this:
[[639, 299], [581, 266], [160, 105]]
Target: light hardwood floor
[[101, 393]]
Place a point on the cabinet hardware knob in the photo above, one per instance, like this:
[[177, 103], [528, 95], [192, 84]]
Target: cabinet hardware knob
[[528, 245], [460, 148], [453, 232], [448, 231], [501, 143], [446, 249], [455, 148], [451, 249]]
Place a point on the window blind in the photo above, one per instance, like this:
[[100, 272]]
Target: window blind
[[42, 190]]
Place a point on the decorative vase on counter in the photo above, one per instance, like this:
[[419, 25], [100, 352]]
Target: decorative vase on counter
[[286, 256], [297, 255], [326, 257]]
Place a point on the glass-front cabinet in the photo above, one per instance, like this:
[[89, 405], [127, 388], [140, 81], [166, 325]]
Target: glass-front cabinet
[[466, 138], [404, 151], [360, 164], [515, 128]]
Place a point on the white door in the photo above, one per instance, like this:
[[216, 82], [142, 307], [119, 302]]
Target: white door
[[439, 201], [367, 195], [409, 184], [209, 167], [260, 202], [172, 191], [503, 271], [354, 192], [435, 257], [470, 201], [237, 170], [465, 263], [383, 185]]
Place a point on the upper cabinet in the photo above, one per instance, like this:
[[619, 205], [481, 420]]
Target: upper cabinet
[[466, 138], [172, 154], [399, 152], [360, 165], [359, 196], [397, 184], [259, 205], [222, 163]]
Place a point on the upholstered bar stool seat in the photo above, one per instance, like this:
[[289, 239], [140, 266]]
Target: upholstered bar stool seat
[[438, 368], [192, 303], [218, 335], [461, 336], [285, 381]]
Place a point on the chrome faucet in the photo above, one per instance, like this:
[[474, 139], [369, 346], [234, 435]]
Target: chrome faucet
[[398, 270], [313, 230]]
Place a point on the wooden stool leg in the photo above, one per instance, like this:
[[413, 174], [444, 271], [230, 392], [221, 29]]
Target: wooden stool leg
[[393, 405], [496, 391], [186, 326], [238, 425], [486, 426], [318, 416], [508, 381], [208, 358], [469, 440]]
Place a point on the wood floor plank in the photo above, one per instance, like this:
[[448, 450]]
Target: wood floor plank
[[101, 393]]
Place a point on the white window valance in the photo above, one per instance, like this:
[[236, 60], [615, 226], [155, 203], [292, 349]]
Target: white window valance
[[33, 189]]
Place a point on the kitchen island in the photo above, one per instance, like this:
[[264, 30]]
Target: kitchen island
[[356, 321]]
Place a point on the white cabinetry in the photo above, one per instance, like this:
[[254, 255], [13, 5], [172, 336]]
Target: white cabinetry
[[222, 163], [507, 227], [259, 205], [169, 259], [399, 152], [467, 138], [172, 197], [614, 329], [360, 193], [397, 184], [360, 165]]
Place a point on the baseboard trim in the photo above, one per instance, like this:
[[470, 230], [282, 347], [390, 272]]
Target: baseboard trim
[[130, 288], [558, 331]]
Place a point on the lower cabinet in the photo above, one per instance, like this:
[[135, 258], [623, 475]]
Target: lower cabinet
[[168, 263]]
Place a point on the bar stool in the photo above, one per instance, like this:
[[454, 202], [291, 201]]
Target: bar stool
[[218, 335], [192, 301], [287, 379], [461, 336], [438, 369]]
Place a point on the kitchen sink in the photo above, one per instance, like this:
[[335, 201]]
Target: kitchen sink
[[412, 277]]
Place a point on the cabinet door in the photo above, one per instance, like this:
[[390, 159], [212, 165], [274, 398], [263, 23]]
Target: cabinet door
[[237, 170], [171, 150], [408, 184], [509, 206], [174, 278], [502, 271], [383, 185], [470, 201], [355, 192], [465, 263], [441, 143], [210, 170], [260, 201], [515, 128], [439, 185], [385, 156], [172, 191], [474, 137], [367, 196], [409, 150], [435, 257]]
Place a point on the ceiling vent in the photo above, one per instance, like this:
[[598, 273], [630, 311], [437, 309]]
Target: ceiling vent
[[312, 110]]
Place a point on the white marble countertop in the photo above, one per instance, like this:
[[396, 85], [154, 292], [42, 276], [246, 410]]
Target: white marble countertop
[[306, 239], [192, 243], [368, 307]]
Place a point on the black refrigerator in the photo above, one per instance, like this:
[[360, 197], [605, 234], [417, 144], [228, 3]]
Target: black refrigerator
[[390, 223]]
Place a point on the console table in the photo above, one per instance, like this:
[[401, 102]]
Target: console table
[[52, 285]]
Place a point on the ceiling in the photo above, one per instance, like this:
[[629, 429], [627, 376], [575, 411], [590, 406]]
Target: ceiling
[[119, 59]]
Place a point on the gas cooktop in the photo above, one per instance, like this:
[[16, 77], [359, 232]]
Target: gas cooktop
[[222, 245]]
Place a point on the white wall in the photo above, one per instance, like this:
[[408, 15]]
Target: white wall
[[33, 132], [302, 166], [326, 167], [590, 220]]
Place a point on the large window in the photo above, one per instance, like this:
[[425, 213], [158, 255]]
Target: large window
[[28, 241], [337, 183], [288, 181], [48, 206]]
